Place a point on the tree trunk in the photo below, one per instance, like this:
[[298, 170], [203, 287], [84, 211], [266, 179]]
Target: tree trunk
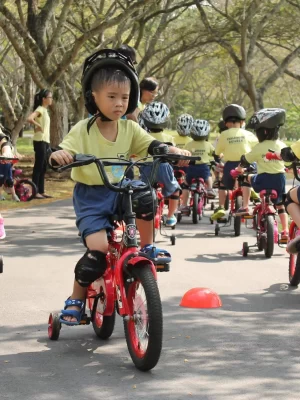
[[59, 121]]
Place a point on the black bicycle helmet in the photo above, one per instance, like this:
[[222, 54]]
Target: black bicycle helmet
[[155, 115], [108, 58], [268, 118], [234, 112]]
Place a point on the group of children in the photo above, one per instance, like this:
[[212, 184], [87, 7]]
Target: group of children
[[111, 90]]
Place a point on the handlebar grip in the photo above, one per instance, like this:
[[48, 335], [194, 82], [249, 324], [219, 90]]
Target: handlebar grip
[[272, 156]]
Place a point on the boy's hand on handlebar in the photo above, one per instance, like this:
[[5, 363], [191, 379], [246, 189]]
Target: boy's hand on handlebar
[[182, 152], [240, 169], [61, 157]]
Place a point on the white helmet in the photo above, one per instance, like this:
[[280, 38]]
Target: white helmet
[[200, 129], [184, 124], [155, 115]]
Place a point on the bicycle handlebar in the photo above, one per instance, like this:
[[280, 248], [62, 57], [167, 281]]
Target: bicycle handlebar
[[8, 160], [271, 155], [87, 159]]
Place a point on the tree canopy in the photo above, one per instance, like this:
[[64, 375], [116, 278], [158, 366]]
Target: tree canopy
[[205, 53]]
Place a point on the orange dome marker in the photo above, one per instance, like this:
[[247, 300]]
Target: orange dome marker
[[201, 298]]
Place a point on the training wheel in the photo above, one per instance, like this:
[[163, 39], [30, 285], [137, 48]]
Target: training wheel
[[54, 326], [1, 264], [245, 249], [173, 240], [217, 230]]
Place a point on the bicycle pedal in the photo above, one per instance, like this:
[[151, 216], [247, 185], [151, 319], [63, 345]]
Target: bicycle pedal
[[85, 320], [163, 268]]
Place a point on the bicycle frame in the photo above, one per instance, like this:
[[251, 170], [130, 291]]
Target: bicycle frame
[[198, 186], [264, 208]]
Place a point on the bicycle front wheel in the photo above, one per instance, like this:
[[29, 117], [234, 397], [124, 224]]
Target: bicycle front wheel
[[144, 327]]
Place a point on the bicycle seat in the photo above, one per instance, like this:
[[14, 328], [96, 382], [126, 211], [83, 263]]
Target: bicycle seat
[[268, 192]]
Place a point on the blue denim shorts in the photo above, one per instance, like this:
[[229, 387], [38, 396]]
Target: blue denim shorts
[[5, 173], [198, 171], [165, 176], [95, 207], [269, 181], [227, 180]]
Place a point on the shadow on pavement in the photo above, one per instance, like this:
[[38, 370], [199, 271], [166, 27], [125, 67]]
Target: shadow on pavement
[[227, 353]]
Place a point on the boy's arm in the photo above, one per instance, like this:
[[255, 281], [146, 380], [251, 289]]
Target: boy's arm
[[68, 148], [220, 146]]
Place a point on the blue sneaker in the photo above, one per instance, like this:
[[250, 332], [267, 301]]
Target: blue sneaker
[[172, 221]]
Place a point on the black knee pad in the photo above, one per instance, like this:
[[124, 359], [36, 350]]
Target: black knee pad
[[288, 200], [144, 204], [9, 183], [245, 184], [90, 267], [174, 197], [222, 188], [281, 211], [184, 186]]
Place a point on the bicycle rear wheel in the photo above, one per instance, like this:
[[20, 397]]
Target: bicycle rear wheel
[[269, 242], [294, 264], [144, 327], [195, 208], [25, 189], [237, 219]]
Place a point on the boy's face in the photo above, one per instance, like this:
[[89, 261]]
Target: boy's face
[[112, 99]]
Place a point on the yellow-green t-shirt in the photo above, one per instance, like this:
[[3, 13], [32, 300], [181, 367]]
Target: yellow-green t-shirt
[[296, 149], [258, 154], [181, 141], [131, 139], [235, 142], [141, 106], [162, 137], [44, 120], [201, 148]]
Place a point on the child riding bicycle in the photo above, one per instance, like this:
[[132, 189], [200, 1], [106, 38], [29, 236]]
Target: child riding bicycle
[[233, 143], [292, 201], [199, 146], [183, 127], [5, 151], [110, 88], [270, 174], [154, 119]]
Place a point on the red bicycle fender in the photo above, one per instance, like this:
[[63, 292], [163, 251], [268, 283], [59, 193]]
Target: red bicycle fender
[[142, 260], [291, 230]]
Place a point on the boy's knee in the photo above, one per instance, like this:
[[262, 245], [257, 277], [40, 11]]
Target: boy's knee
[[144, 204], [9, 183], [90, 267], [292, 196]]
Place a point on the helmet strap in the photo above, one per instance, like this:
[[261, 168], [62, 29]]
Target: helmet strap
[[100, 115]]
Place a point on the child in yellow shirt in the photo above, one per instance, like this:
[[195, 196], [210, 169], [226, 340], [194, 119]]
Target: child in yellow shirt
[[270, 173], [199, 146]]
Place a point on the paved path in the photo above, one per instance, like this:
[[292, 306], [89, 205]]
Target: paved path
[[248, 349]]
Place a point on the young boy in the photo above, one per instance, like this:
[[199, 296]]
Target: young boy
[[5, 151], [154, 119], [110, 89], [183, 127], [292, 202], [199, 146], [270, 174], [6, 178], [233, 143]]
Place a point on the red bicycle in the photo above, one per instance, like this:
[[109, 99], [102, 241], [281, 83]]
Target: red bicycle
[[5, 160], [235, 202], [265, 224], [129, 285], [294, 231], [160, 218]]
